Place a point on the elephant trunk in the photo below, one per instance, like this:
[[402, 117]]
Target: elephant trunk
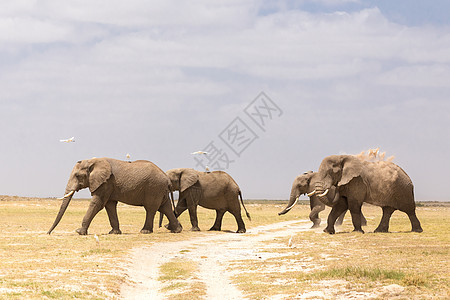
[[292, 201], [62, 209]]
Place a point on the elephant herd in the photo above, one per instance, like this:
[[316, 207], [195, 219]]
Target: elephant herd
[[343, 182]]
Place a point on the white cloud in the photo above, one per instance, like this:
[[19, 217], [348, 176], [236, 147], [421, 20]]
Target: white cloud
[[192, 67], [433, 76], [334, 2], [31, 31]]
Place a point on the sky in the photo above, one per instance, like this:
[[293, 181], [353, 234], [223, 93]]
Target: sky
[[268, 89]]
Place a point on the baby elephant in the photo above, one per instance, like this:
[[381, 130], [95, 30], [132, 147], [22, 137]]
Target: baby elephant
[[304, 184], [214, 190]]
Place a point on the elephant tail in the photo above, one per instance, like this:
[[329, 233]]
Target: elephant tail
[[161, 217], [242, 201]]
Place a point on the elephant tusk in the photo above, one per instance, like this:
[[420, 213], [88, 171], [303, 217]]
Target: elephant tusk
[[312, 193], [289, 208], [324, 193], [67, 195]]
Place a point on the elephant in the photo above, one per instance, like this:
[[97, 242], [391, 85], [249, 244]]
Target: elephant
[[381, 183], [304, 184], [138, 183], [213, 190]]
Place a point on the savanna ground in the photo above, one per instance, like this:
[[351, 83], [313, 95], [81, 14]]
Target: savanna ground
[[278, 258]]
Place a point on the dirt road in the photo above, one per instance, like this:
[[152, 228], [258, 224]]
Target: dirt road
[[212, 251]]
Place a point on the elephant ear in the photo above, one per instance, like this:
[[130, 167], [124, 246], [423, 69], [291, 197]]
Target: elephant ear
[[351, 168], [188, 178], [100, 171]]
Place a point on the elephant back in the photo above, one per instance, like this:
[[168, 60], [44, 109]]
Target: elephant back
[[138, 174], [218, 183], [388, 184]]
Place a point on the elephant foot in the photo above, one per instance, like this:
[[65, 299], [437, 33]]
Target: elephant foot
[[215, 229], [315, 225], [242, 230], [81, 231], [329, 230], [419, 230], [195, 228], [358, 230], [146, 231], [115, 231], [316, 222], [381, 229], [177, 230]]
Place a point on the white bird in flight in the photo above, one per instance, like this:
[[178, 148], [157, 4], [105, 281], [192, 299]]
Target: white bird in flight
[[199, 152], [71, 140], [128, 156]]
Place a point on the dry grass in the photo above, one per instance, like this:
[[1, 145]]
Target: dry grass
[[180, 281], [327, 266], [64, 265]]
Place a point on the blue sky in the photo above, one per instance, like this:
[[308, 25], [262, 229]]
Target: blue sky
[[160, 80], [407, 12]]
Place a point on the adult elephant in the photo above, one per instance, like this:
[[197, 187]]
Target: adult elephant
[[213, 190], [139, 183], [304, 184], [357, 180]]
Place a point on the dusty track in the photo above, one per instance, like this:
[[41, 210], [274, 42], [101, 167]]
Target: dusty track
[[213, 251]]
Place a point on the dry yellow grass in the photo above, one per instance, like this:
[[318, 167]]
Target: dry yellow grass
[[349, 264], [65, 265]]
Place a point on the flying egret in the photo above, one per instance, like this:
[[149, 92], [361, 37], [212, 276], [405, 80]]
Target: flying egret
[[199, 152], [128, 156], [71, 140]]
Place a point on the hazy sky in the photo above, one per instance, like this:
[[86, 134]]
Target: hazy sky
[[161, 79]]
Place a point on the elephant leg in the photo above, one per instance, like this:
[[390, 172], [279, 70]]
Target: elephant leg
[[340, 219], [218, 223], [336, 211], [363, 220], [384, 223], [239, 221], [111, 210], [355, 211], [181, 207], [314, 215], [193, 216], [415, 223], [95, 206], [174, 226], [149, 219]]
